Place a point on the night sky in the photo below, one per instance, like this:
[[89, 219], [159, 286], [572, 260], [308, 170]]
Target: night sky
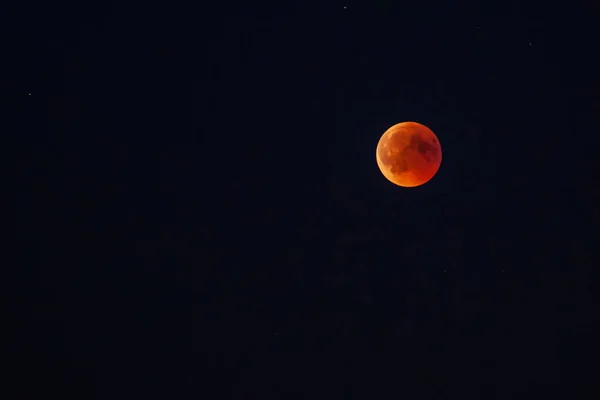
[[202, 215]]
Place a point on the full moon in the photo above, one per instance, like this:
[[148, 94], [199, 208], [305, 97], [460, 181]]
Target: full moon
[[409, 154]]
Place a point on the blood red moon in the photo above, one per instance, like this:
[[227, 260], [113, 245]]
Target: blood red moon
[[409, 154]]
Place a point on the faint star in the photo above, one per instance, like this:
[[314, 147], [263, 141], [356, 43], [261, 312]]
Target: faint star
[[344, 7], [29, 94]]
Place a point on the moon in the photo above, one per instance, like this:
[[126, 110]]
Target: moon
[[409, 154]]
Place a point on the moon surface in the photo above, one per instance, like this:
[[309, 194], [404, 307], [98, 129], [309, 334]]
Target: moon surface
[[409, 154]]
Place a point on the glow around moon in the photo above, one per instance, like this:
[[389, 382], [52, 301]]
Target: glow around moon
[[409, 154]]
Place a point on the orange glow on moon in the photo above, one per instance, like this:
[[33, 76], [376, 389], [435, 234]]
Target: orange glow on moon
[[409, 154]]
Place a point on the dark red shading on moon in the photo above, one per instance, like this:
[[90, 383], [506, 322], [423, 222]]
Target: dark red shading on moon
[[409, 154]]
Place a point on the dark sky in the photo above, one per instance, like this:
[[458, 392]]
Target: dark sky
[[203, 216]]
